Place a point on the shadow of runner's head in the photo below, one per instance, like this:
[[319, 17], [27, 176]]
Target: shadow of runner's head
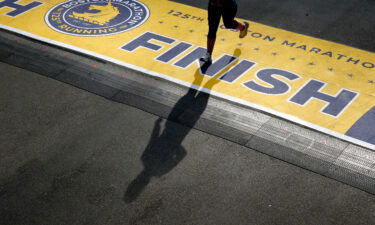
[[136, 187]]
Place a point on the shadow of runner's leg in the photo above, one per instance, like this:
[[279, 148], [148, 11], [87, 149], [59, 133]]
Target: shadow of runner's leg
[[164, 150]]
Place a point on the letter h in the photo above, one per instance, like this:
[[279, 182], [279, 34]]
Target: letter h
[[18, 9], [336, 104]]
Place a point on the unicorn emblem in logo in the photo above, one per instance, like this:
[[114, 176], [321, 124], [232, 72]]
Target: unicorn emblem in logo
[[105, 14], [92, 18]]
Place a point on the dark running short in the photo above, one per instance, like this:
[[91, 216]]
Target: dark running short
[[227, 11]]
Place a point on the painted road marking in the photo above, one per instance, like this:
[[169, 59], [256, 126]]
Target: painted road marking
[[324, 85], [18, 9]]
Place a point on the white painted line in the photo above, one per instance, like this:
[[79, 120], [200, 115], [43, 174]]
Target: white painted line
[[217, 94]]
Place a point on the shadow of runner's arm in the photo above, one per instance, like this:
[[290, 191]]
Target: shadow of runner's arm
[[156, 131]]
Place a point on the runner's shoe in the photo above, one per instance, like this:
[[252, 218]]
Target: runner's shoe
[[206, 58], [243, 32]]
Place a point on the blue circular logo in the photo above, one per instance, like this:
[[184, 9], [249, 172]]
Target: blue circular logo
[[96, 17]]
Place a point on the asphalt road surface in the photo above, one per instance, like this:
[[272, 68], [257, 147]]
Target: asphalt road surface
[[71, 157]]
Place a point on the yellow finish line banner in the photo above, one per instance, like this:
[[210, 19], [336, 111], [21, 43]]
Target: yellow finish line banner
[[324, 85]]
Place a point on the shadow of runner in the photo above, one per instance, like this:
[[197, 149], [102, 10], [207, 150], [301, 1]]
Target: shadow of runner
[[164, 151]]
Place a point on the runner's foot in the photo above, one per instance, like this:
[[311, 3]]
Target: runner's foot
[[206, 58], [243, 32]]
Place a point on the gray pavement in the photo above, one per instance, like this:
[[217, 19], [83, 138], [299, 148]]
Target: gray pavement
[[72, 157]]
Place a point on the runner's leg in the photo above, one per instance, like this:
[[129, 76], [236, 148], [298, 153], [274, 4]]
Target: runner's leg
[[214, 15], [230, 11]]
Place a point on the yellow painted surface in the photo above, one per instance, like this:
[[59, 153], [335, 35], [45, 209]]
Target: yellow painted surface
[[268, 54]]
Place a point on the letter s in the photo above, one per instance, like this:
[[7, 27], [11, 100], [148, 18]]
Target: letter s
[[278, 87]]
